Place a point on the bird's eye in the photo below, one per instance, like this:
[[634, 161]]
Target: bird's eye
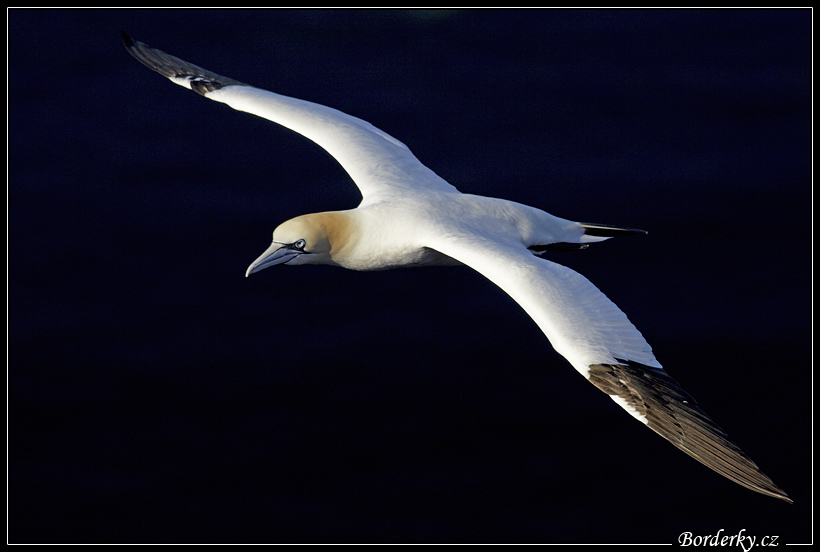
[[299, 244]]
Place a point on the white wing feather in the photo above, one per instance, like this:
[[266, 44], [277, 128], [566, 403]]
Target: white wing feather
[[379, 164], [580, 321], [600, 342]]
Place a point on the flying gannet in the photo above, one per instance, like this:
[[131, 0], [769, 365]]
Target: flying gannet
[[409, 216]]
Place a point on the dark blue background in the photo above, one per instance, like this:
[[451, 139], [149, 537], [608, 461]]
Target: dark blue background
[[157, 395]]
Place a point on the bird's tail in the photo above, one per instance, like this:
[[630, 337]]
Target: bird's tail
[[592, 233], [608, 231]]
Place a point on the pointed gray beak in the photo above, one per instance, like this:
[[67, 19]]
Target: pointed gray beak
[[277, 253]]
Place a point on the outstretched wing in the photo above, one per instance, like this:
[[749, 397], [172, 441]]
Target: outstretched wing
[[602, 344], [380, 165]]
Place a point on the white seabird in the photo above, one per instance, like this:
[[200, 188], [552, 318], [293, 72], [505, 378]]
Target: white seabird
[[409, 216]]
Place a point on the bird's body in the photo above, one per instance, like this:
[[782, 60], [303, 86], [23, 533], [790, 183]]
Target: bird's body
[[409, 216], [361, 240]]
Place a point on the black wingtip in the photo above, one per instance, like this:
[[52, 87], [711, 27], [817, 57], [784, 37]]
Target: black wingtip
[[672, 413], [126, 39]]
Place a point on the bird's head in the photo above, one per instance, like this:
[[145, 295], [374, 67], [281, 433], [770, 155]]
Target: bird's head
[[308, 239]]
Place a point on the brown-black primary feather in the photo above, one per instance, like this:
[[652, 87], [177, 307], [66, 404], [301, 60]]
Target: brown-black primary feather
[[673, 414], [201, 80]]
